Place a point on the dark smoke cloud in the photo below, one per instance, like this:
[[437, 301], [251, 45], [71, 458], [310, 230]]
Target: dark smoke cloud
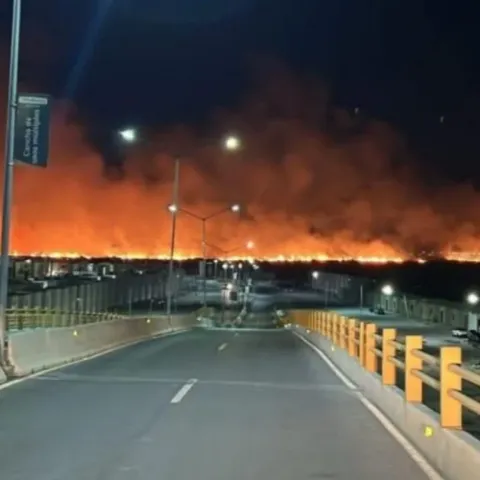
[[315, 181]]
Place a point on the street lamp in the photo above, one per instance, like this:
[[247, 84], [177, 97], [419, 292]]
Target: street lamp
[[315, 275], [473, 298], [128, 135], [232, 143], [388, 290], [174, 208]]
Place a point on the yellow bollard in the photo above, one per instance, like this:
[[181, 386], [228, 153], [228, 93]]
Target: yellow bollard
[[450, 408], [361, 343], [352, 334], [389, 370], [343, 332], [370, 345], [335, 328], [413, 384]]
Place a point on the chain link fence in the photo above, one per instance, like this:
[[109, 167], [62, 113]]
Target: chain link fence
[[340, 289], [87, 302]]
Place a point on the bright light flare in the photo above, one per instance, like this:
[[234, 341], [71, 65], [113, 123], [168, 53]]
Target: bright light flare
[[235, 208], [315, 275], [250, 245], [473, 298], [128, 135], [387, 290], [232, 143], [173, 208]]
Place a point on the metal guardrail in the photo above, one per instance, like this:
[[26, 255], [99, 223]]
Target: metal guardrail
[[361, 341], [27, 318]]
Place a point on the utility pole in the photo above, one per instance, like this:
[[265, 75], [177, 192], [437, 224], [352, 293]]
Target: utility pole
[[8, 178], [176, 182], [204, 260]]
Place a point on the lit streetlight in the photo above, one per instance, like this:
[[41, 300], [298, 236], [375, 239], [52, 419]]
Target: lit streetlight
[[473, 298], [174, 209], [128, 135], [232, 143], [388, 290], [315, 275]]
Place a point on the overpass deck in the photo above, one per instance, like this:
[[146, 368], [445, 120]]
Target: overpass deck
[[210, 405]]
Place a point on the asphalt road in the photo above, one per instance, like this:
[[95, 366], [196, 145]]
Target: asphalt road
[[204, 405]]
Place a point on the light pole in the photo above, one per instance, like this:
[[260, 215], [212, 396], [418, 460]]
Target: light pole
[[231, 143], [8, 177], [176, 182], [174, 209]]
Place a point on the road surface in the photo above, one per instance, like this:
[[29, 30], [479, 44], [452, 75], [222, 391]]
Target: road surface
[[201, 405]]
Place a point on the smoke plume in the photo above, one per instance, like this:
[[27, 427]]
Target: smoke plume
[[313, 181]]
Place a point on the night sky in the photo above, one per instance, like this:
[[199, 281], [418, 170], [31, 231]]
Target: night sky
[[150, 62]]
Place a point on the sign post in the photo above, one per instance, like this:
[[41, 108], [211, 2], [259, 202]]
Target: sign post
[[8, 177], [32, 130], [27, 141]]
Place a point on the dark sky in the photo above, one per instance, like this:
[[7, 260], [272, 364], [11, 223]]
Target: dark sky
[[124, 62]]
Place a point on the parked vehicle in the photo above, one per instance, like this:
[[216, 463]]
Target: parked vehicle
[[460, 333], [473, 337]]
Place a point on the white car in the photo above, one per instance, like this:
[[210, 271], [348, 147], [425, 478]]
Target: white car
[[459, 333]]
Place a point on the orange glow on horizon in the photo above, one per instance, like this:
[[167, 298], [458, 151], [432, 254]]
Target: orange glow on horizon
[[459, 257], [307, 193]]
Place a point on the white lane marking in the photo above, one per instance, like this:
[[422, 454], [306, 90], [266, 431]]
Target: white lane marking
[[223, 346], [178, 397], [411, 450], [40, 373]]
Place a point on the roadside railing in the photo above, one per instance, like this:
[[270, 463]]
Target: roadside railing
[[385, 353], [27, 318]]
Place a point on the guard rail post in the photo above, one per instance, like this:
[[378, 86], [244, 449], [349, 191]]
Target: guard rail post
[[343, 332], [370, 345], [335, 329], [450, 408], [413, 364], [352, 330], [328, 325], [389, 371], [361, 343], [323, 330]]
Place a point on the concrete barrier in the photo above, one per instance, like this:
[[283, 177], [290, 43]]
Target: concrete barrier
[[455, 454], [35, 350]]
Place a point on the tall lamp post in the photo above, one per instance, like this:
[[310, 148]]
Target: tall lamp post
[[174, 209], [8, 177], [230, 143]]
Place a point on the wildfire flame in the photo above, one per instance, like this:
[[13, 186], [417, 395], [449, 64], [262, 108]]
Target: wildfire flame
[[308, 192]]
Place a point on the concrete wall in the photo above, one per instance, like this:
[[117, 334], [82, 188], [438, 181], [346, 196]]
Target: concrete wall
[[456, 455], [434, 311], [35, 350]]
